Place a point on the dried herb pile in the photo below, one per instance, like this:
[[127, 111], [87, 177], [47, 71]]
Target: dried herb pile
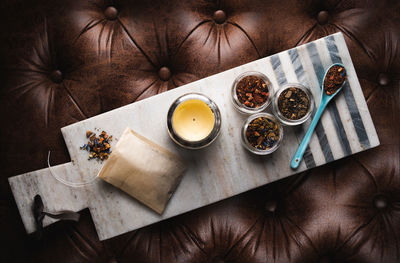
[[252, 91], [334, 79], [293, 103], [98, 147], [262, 133]]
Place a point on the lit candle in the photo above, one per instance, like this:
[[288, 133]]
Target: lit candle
[[193, 121]]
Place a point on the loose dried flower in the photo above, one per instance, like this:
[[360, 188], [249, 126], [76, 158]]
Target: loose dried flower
[[98, 147]]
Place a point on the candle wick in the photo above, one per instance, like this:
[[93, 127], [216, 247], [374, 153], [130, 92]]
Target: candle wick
[[194, 119]]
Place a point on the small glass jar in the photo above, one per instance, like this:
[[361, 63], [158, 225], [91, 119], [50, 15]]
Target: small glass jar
[[202, 102], [278, 113], [247, 144], [239, 105]]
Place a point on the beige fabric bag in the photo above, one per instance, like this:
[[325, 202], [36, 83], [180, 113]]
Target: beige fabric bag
[[144, 170]]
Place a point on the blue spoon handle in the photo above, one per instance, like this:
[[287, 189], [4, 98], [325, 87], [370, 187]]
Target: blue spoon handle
[[298, 156]]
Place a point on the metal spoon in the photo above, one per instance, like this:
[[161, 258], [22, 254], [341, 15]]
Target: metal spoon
[[325, 99]]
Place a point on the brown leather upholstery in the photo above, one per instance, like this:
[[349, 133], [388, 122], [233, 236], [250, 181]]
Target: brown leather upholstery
[[65, 60]]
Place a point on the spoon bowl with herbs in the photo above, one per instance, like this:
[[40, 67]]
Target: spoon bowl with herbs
[[332, 84]]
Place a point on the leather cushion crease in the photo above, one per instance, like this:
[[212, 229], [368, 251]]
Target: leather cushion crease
[[62, 61]]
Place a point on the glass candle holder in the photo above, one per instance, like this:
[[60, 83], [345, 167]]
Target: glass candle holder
[[193, 121], [242, 101], [269, 147], [282, 94]]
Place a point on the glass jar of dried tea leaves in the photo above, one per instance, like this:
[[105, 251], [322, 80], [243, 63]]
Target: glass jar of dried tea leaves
[[262, 134], [251, 92], [293, 104]]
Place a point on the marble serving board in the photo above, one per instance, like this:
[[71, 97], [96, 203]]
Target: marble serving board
[[219, 171]]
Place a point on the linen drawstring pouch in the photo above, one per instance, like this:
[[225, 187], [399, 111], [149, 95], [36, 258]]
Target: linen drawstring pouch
[[144, 170]]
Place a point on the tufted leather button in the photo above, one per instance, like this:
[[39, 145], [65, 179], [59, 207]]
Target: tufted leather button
[[56, 76], [219, 16], [270, 206], [323, 17], [111, 13], [164, 73], [383, 79], [380, 202]]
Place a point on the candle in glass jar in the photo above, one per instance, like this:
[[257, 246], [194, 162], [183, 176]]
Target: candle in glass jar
[[193, 120]]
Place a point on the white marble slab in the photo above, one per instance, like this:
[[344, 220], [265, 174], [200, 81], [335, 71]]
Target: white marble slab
[[219, 171]]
